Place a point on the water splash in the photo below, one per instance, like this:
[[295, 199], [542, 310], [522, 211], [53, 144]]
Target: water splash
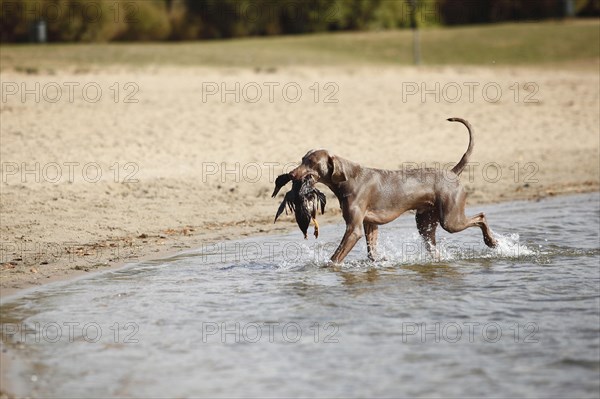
[[411, 249], [403, 248], [509, 246]]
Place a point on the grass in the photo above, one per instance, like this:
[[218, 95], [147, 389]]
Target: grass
[[502, 44]]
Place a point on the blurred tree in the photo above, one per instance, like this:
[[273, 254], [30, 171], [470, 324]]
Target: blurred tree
[[106, 20], [148, 20], [356, 14], [13, 26], [485, 11], [229, 18], [589, 8], [67, 20]]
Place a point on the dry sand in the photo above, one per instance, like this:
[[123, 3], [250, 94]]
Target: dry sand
[[89, 185]]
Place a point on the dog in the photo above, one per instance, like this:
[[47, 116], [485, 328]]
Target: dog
[[371, 197]]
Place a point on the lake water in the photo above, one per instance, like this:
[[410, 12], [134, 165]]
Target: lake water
[[264, 317]]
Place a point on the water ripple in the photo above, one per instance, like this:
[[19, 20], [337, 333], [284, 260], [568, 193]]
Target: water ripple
[[241, 319]]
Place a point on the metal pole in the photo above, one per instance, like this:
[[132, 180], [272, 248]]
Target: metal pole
[[417, 47], [569, 11], [415, 29]]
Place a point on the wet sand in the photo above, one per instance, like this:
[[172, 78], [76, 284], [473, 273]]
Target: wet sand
[[101, 168]]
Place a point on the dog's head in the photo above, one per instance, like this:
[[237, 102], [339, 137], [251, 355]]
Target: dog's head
[[323, 166]]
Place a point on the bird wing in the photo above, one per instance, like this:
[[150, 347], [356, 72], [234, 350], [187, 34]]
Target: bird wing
[[280, 210], [287, 200], [303, 217], [322, 200]]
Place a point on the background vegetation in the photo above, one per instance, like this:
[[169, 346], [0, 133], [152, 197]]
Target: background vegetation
[[572, 43], [157, 20]]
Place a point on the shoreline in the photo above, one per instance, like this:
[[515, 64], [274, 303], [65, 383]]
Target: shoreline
[[192, 242], [159, 249], [90, 186]]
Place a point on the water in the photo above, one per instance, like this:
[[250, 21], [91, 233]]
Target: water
[[264, 317]]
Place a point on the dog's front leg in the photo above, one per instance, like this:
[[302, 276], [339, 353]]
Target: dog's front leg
[[351, 236], [354, 216]]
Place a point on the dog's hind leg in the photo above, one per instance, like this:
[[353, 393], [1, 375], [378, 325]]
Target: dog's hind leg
[[427, 221], [371, 234], [453, 219]]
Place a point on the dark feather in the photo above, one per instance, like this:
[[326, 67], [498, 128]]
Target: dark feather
[[322, 200], [303, 214], [303, 199], [287, 200]]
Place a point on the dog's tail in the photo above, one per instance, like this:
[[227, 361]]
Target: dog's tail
[[465, 158]]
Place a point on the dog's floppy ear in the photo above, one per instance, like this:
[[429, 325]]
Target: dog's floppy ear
[[338, 174]]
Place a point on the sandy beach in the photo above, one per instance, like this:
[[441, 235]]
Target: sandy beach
[[105, 167]]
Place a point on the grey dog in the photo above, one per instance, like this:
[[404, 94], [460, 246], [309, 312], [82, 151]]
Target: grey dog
[[370, 197]]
